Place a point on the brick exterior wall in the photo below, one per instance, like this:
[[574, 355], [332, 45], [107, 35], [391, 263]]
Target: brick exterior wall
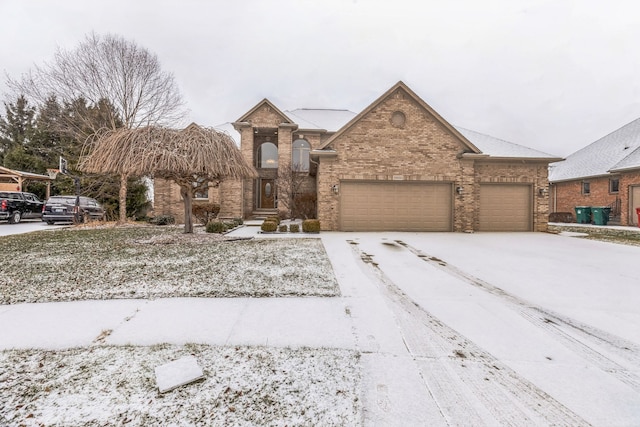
[[168, 201], [375, 148], [567, 195], [253, 130], [423, 149]]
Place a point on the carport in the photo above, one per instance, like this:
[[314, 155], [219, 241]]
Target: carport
[[13, 180]]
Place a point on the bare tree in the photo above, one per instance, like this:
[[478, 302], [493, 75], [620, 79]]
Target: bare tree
[[294, 190], [106, 69], [192, 158]]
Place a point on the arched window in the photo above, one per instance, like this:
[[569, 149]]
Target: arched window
[[300, 155], [267, 157]]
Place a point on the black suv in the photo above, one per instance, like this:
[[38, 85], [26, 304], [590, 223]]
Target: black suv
[[16, 205], [71, 209]]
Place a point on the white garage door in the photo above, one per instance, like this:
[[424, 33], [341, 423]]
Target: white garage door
[[395, 206], [505, 207]]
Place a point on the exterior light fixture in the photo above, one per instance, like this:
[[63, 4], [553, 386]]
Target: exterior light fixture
[[335, 188], [543, 191], [459, 190]]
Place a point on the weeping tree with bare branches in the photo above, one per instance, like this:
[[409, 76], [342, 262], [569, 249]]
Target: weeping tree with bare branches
[[192, 158], [105, 69]]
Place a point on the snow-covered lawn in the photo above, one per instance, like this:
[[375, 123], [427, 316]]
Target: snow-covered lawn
[[106, 385], [115, 385], [157, 262]]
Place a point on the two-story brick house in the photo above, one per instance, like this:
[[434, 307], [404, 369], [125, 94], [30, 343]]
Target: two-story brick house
[[397, 165]]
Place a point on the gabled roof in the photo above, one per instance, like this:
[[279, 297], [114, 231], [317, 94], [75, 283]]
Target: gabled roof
[[620, 150], [265, 101], [400, 85], [320, 119], [499, 148]]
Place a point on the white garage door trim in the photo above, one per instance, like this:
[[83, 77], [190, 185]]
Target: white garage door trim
[[505, 207], [396, 206]]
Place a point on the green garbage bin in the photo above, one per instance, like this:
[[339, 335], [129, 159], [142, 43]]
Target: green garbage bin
[[607, 214], [583, 214], [599, 216]]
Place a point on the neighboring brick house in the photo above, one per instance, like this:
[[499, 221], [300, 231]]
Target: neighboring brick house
[[604, 173], [397, 165]]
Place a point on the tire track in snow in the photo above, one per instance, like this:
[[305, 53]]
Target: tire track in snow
[[612, 354], [470, 386]]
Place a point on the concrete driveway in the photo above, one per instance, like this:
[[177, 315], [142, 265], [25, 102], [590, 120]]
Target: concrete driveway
[[24, 226], [497, 328]]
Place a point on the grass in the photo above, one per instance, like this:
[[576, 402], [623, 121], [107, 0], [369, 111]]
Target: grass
[[243, 386], [156, 262]]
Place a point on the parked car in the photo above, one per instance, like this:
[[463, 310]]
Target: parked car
[[16, 205], [71, 209]]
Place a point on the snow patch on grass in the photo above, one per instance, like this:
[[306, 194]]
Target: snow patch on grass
[[159, 262], [106, 385]]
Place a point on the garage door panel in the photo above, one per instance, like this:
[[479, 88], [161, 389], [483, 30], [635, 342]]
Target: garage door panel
[[401, 206], [505, 207]]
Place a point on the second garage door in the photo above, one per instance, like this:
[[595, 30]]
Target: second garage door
[[395, 206], [505, 207]]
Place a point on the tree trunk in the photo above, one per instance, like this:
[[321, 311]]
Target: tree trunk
[[187, 197], [123, 198]]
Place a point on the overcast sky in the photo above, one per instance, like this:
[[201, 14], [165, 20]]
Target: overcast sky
[[552, 75]]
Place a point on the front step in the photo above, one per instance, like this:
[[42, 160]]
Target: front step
[[263, 213]]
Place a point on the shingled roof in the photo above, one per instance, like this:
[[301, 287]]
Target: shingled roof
[[616, 152]]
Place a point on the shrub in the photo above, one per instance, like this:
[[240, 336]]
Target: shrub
[[162, 220], [273, 218], [294, 228], [217, 227], [311, 226], [238, 221], [305, 205], [282, 228], [205, 212], [269, 226]]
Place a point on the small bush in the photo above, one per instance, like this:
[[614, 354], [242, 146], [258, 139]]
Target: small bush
[[273, 218], [311, 226], [305, 205], [294, 228], [269, 226], [282, 228], [217, 227], [238, 221], [205, 212], [162, 220]]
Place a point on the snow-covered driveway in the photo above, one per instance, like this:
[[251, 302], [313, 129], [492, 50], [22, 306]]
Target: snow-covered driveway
[[493, 329]]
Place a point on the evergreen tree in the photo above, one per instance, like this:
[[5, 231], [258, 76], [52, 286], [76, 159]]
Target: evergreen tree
[[16, 128]]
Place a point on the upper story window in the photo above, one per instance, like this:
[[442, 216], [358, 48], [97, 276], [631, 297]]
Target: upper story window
[[267, 157], [614, 185], [300, 155], [586, 187]]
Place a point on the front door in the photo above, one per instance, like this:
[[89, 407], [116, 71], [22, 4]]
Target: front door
[[267, 194]]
